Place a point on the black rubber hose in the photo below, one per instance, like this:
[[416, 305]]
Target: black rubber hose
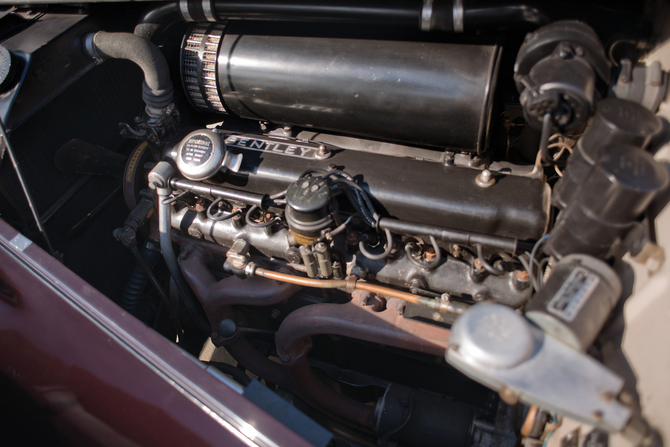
[[157, 90], [137, 281], [156, 17], [190, 301]]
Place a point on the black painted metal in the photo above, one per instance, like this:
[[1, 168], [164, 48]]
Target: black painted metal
[[414, 191], [423, 93]]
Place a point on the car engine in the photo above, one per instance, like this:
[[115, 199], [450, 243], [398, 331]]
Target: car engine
[[411, 220]]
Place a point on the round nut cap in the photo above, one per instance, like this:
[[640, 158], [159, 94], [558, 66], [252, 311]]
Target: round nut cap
[[492, 336], [200, 155]]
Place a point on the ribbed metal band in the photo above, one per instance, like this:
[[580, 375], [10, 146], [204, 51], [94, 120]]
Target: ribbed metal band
[[208, 10], [198, 66], [183, 7]]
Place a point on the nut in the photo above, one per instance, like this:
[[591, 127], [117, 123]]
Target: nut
[[485, 179]]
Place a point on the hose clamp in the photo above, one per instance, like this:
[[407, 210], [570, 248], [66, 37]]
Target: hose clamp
[[458, 16], [183, 8], [207, 10], [426, 14], [89, 48]]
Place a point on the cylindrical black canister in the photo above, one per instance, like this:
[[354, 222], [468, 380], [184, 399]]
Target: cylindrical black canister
[[423, 93], [616, 121], [614, 194]]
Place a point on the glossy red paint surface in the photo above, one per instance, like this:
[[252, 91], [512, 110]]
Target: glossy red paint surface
[[107, 377]]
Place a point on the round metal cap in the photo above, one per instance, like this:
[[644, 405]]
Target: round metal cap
[[493, 336], [633, 168], [200, 154]]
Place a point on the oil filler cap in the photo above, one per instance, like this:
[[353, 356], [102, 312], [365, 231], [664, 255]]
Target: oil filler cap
[[203, 153]]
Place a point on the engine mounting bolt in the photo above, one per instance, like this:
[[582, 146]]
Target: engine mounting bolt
[[485, 179]]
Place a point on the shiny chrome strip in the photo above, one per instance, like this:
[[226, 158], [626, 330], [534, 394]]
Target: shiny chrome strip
[[458, 16], [183, 7], [426, 14], [20, 242], [207, 10]]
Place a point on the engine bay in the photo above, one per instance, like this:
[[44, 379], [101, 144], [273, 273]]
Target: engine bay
[[411, 221]]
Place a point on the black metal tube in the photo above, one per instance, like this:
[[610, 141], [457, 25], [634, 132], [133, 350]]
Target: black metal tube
[[155, 17], [24, 186], [427, 15], [446, 235], [388, 12], [218, 191]]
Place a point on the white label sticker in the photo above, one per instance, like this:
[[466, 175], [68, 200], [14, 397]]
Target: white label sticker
[[573, 294]]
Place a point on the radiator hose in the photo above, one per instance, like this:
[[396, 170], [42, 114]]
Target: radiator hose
[[157, 90]]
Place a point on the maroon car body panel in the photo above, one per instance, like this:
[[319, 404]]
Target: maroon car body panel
[[109, 379]]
